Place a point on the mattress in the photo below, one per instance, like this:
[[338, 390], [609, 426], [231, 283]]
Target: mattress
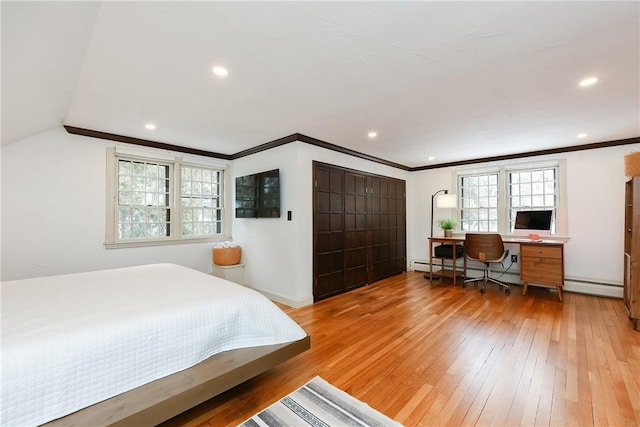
[[74, 340]]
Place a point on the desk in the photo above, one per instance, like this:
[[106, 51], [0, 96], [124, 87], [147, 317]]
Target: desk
[[541, 262], [453, 273]]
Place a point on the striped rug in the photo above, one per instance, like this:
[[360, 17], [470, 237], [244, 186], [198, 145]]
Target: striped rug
[[318, 403]]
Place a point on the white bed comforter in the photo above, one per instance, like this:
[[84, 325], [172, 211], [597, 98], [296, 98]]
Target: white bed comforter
[[74, 340]]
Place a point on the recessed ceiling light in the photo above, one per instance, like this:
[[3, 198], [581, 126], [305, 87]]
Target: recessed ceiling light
[[372, 134], [220, 71], [150, 126], [588, 81], [582, 135], [431, 158]]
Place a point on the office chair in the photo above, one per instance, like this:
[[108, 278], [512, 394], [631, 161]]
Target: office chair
[[487, 249]]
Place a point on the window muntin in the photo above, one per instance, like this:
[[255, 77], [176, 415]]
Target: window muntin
[[488, 200], [162, 200], [201, 201], [479, 200], [144, 209], [534, 189]]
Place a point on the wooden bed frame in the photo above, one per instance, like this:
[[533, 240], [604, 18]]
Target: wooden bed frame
[[167, 397]]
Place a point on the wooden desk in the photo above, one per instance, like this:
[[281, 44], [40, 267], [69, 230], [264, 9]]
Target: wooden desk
[[453, 273], [541, 263]]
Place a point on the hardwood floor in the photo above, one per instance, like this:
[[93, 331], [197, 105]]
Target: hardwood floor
[[437, 354]]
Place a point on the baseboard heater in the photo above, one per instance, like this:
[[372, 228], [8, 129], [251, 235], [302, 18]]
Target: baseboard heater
[[511, 276]]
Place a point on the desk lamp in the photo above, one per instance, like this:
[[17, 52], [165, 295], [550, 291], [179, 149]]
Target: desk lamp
[[445, 200]]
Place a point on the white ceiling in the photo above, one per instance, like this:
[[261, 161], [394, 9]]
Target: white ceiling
[[453, 80]]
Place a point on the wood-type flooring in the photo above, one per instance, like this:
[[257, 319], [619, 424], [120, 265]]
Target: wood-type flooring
[[442, 355]]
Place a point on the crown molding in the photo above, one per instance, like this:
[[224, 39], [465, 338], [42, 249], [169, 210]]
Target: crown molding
[[558, 150], [144, 142], [326, 145], [318, 143]]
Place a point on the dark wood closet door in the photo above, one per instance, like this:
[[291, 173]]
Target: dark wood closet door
[[358, 229], [355, 230], [329, 230], [386, 231], [377, 228], [397, 261]]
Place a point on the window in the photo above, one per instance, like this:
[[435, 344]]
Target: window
[[489, 199], [201, 201], [162, 199], [534, 189], [143, 200], [479, 201]]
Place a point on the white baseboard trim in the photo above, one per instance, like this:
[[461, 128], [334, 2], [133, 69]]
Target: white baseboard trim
[[284, 300], [593, 288], [582, 286]]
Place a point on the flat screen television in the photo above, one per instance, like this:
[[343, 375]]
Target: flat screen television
[[533, 222], [258, 195]]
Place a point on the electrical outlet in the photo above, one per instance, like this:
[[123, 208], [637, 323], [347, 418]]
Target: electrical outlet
[[514, 258]]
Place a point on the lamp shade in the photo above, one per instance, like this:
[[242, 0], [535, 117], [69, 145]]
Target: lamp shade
[[446, 201]]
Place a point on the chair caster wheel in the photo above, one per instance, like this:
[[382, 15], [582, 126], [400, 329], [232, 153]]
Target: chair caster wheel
[[482, 291], [464, 285], [507, 291]]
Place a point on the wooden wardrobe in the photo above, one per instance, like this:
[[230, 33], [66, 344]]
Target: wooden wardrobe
[[632, 250], [359, 229]]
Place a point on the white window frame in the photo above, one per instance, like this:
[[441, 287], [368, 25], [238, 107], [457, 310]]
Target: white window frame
[[503, 170], [480, 206], [176, 161]]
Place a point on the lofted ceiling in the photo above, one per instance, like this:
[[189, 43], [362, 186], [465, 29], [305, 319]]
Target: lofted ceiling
[[447, 80]]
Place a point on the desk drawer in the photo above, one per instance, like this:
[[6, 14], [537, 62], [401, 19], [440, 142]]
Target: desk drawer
[[542, 270], [539, 251]]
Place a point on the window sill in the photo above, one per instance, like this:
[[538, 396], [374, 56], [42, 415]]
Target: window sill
[[511, 238], [146, 243]]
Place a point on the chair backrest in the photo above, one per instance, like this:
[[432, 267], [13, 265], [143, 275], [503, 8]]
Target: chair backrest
[[490, 244]]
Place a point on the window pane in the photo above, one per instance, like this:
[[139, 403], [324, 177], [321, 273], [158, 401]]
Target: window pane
[[139, 231], [138, 198], [124, 182], [532, 190], [479, 200], [124, 198], [125, 215], [145, 195], [138, 168], [124, 230], [150, 182], [199, 190], [138, 183]]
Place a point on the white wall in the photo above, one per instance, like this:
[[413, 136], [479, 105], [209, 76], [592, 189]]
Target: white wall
[[595, 192], [595, 189], [54, 207], [278, 254], [53, 214]]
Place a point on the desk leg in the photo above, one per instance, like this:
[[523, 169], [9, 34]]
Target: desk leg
[[430, 260], [454, 252], [464, 257], [524, 289]]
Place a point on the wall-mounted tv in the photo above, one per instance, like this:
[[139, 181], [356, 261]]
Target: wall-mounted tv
[[258, 195]]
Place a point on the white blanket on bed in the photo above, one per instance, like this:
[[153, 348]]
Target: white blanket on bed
[[73, 340]]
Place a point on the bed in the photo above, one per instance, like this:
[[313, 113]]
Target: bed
[[132, 346]]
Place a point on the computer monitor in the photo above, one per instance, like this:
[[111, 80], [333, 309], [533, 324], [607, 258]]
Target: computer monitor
[[533, 222]]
